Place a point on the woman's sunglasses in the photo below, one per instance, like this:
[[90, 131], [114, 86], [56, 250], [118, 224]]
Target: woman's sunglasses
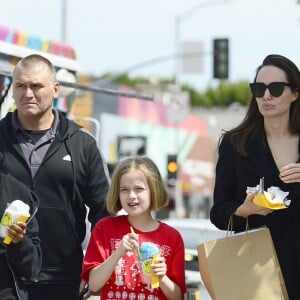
[[258, 89]]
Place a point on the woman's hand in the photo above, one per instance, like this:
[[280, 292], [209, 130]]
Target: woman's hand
[[290, 173], [249, 208]]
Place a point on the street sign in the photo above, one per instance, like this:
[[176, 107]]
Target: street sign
[[177, 104], [192, 58], [131, 146]]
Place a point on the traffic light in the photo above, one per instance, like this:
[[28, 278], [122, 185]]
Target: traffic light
[[221, 58], [172, 166]]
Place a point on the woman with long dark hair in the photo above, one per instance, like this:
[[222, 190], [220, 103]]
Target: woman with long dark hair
[[265, 144]]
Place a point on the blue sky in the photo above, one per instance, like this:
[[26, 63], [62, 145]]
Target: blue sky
[[114, 35]]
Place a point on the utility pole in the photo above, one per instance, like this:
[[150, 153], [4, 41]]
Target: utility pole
[[64, 20], [177, 34], [179, 207]]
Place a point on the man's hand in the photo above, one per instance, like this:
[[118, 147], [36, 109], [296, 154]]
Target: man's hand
[[17, 231]]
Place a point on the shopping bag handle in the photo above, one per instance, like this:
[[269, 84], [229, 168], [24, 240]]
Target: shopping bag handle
[[230, 226]]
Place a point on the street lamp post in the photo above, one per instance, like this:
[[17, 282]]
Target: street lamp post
[[177, 35], [178, 56], [64, 20]]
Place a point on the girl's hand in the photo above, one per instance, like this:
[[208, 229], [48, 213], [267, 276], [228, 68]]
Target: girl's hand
[[159, 266], [129, 242], [290, 173], [84, 291]]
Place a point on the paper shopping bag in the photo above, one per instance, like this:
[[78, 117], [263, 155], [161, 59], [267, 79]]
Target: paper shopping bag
[[242, 266]]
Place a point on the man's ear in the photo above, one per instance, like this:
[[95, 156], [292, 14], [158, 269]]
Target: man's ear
[[56, 88]]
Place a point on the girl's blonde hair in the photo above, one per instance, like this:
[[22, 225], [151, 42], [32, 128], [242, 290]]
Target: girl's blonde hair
[[158, 193]]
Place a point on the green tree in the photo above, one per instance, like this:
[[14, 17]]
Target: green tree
[[224, 94]]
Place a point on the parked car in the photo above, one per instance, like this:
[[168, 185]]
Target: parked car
[[194, 232]]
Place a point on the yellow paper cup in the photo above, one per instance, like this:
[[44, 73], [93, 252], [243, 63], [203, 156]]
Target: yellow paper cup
[[7, 240], [155, 278]]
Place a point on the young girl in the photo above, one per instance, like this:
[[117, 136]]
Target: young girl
[[113, 264]]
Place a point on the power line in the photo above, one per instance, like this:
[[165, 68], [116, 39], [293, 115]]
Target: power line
[[106, 81], [92, 88]]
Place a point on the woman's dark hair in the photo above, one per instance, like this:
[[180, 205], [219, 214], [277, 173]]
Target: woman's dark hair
[[253, 120]]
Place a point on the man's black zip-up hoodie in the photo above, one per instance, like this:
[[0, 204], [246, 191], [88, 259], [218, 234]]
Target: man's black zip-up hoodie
[[20, 261], [72, 174]]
